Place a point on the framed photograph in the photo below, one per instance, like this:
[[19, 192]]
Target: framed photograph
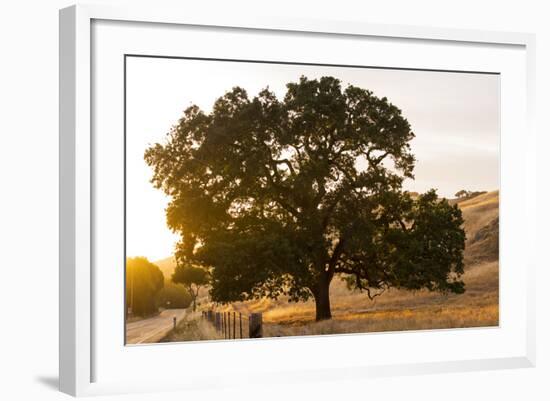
[[308, 193]]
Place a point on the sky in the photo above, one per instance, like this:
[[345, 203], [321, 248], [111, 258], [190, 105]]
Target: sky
[[455, 117]]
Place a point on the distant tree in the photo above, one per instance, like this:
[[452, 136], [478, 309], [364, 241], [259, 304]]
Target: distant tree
[[468, 194], [143, 282], [280, 196], [174, 296], [192, 278], [462, 193]]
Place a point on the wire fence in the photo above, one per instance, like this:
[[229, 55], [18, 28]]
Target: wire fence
[[233, 325]]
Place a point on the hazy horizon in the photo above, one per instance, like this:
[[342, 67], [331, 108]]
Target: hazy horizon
[[455, 117]]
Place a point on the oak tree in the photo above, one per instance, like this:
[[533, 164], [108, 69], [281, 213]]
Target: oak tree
[[192, 278], [279, 196]]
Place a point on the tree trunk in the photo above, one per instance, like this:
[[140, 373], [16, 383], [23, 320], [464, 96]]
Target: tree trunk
[[195, 295], [322, 299]]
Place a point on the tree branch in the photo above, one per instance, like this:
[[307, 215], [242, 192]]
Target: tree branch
[[330, 210], [282, 192], [338, 249], [371, 297], [377, 160], [287, 162]]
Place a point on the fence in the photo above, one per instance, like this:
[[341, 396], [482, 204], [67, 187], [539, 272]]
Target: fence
[[231, 324]]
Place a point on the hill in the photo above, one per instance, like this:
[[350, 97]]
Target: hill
[[481, 223], [166, 266]]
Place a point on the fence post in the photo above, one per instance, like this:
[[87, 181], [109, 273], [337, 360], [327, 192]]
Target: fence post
[[255, 329], [228, 325], [241, 324], [218, 321], [209, 316]]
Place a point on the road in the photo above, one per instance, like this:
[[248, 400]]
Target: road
[[151, 330]]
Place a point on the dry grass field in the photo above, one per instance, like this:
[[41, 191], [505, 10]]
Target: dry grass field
[[192, 328], [398, 310]]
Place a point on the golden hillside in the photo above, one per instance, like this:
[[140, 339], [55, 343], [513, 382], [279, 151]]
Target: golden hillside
[[481, 223], [167, 266]]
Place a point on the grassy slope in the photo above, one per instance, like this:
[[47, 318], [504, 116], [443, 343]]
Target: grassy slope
[[481, 224], [192, 328], [403, 310]]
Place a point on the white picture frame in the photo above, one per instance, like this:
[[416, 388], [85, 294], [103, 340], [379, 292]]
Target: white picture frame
[[84, 354]]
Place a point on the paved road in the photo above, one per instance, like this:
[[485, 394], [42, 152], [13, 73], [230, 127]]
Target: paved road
[[153, 329]]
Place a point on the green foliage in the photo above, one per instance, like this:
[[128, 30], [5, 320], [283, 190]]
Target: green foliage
[[279, 196], [189, 274], [174, 296], [411, 255], [192, 278], [144, 280]]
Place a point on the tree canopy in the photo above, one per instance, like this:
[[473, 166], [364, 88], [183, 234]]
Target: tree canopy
[[192, 278], [174, 296], [277, 196], [143, 282]]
